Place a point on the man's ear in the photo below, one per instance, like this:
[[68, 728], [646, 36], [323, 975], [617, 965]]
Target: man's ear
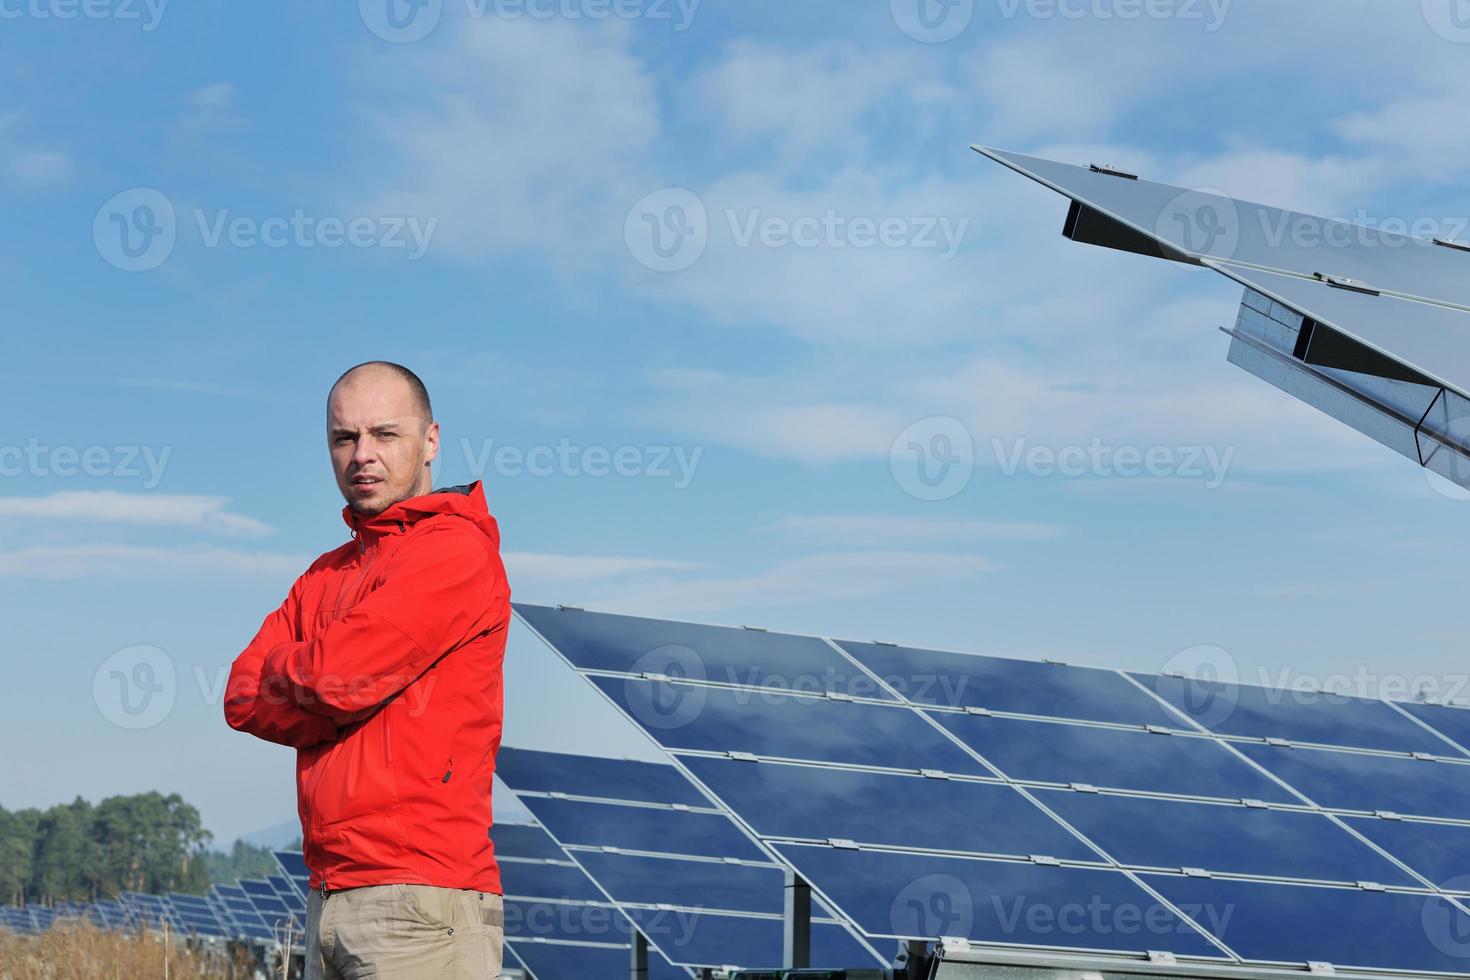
[[431, 442]]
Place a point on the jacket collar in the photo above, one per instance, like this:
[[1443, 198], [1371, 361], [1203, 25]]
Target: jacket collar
[[466, 501]]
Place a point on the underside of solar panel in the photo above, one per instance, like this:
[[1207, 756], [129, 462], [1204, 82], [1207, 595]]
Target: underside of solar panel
[[1022, 820], [1369, 326]]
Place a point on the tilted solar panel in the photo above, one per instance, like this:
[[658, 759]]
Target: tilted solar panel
[[698, 887], [558, 924], [1368, 326], [1236, 828]]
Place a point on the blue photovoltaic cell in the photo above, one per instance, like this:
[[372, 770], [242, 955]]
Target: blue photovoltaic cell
[[642, 828], [525, 840], [1112, 758], [919, 896], [709, 940], [885, 809], [690, 651], [293, 863], [1244, 709], [526, 770], [960, 680], [1353, 781], [565, 882], [1347, 927], [1143, 831], [565, 922], [816, 729], [1452, 722], [693, 884], [1438, 851]]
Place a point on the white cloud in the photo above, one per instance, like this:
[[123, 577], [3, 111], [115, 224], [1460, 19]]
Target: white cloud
[[153, 510], [519, 135]]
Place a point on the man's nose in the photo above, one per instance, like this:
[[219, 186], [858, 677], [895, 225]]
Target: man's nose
[[366, 452]]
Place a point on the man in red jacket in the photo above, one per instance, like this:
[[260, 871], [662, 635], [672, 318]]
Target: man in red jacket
[[383, 670]]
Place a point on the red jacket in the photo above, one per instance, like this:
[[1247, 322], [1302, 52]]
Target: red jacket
[[383, 669]]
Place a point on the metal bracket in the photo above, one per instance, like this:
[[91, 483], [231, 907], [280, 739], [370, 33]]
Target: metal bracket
[[1045, 859], [1343, 282], [843, 843], [1111, 171], [933, 774], [972, 710], [563, 607], [885, 643], [1084, 787], [743, 756], [1418, 426]]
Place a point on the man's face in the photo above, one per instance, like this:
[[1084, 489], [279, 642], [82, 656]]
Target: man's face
[[381, 444]]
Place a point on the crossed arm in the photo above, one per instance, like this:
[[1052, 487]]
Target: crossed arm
[[435, 594]]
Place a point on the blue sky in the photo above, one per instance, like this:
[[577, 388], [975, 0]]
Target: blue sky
[[837, 277]]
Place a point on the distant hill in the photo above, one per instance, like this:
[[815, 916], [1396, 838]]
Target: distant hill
[[280, 835]]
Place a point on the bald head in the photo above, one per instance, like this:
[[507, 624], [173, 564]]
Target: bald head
[[382, 435], [381, 370]]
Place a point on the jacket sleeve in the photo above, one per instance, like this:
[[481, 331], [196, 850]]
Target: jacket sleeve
[[267, 710], [439, 589]]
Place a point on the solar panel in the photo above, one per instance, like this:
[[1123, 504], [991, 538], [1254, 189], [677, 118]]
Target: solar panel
[[698, 888], [1128, 831], [1368, 326], [558, 924]]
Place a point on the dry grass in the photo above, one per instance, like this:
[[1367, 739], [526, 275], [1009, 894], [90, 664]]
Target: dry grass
[[83, 952]]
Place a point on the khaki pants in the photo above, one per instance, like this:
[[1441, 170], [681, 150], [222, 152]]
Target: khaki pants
[[404, 932]]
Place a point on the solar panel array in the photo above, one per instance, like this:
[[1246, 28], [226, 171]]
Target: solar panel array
[[672, 862], [558, 924], [1040, 807], [262, 910]]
